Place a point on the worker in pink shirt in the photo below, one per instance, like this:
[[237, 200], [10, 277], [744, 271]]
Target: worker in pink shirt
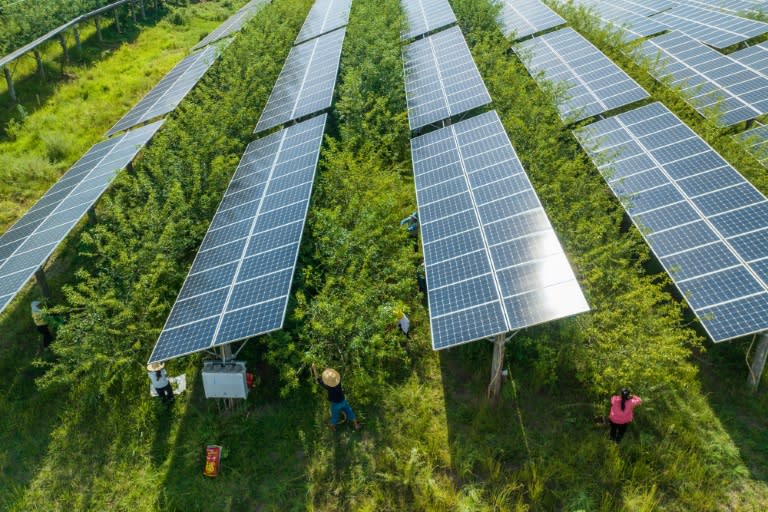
[[621, 413]]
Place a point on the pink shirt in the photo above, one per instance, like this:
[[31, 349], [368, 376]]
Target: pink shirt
[[617, 415]]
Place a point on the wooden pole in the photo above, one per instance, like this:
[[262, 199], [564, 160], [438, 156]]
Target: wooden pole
[[40, 68], [494, 389], [758, 362], [42, 283], [98, 29], [9, 80], [117, 20]]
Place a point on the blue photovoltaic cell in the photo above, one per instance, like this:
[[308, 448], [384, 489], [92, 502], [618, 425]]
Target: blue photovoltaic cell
[[426, 15], [27, 245], [731, 6], [644, 7], [757, 139], [595, 84], [625, 18], [169, 92], [306, 82], [713, 83], [715, 28], [527, 17], [710, 234], [493, 263], [754, 57], [239, 283], [325, 15], [441, 78], [233, 23]]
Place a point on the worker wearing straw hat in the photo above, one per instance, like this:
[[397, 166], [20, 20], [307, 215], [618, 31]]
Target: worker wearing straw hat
[[160, 382], [331, 381]]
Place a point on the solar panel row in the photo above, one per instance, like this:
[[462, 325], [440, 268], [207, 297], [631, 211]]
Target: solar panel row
[[239, 283], [441, 78], [306, 82], [731, 6], [169, 92], [757, 138], [493, 262], [595, 84], [714, 28], [755, 57], [233, 24], [325, 16], [705, 223], [29, 243], [713, 83], [524, 18], [426, 15], [632, 25]]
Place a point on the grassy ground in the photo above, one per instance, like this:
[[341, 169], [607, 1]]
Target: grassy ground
[[431, 440], [97, 88]]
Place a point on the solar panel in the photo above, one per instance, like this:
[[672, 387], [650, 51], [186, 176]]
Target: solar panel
[[704, 222], [306, 82], [233, 24], [712, 83], [325, 16], [527, 17], [426, 15], [169, 92], [732, 6], [632, 25], [595, 84], [239, 283], [757, 138], [493, 263], [441, 78], [644, 7], [32, 239], [714, 28], [755, 57]]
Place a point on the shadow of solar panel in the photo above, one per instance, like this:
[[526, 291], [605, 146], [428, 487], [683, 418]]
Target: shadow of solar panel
[[239, 283], [715, 84], [595, 84], [715, 28], [169, 92], [325, 16], [232, 24], [306, 82], [441, 78], [486, 242], [26, 246], [695, 226], [426, 15], [527, 17]]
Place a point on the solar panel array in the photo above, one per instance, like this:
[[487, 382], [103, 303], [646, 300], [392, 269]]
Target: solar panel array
[[706, 224], [426, 15], [644, 7], [169, 92], [711, 82], [758, 142], [441, 78], [632, 25], [596, 84], [755, 57], [527, 17], [493, 262], [732, 6], [32, 239], [233, 24], [714, 28], [239, 283], [306, 82], [325, 16]]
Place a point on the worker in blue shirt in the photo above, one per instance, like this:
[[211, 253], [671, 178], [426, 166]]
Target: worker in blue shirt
[[331, 381]]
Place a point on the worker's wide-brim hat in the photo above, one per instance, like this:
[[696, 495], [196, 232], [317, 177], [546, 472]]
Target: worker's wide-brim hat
[[331, 377], [154, 367]]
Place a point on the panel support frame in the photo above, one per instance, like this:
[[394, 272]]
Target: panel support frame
[[758, 362], [497, 364], [42, 283]]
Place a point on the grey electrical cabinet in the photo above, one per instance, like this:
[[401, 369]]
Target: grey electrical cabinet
[[225, 380]]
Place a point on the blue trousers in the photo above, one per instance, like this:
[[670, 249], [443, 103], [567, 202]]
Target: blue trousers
[[336, 409]]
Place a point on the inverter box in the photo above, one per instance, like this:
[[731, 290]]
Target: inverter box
[[225, 380]]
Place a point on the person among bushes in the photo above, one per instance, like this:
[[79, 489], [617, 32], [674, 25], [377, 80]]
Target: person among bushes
[[331, 381], [41, 323], [621, 415], [159, 378]]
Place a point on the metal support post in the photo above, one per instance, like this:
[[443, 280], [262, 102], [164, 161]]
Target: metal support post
[[226, 353], [132, 8], [65, 52], [39, 60], [497, 366], [98, 29], [117, 20], [9, 80], [129, 167], [91, 216], [143, 11], [758, 362], [42, 283], [77, 39]]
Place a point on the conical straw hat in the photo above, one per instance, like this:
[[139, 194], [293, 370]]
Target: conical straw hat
[[331, 377], [153, 367]]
